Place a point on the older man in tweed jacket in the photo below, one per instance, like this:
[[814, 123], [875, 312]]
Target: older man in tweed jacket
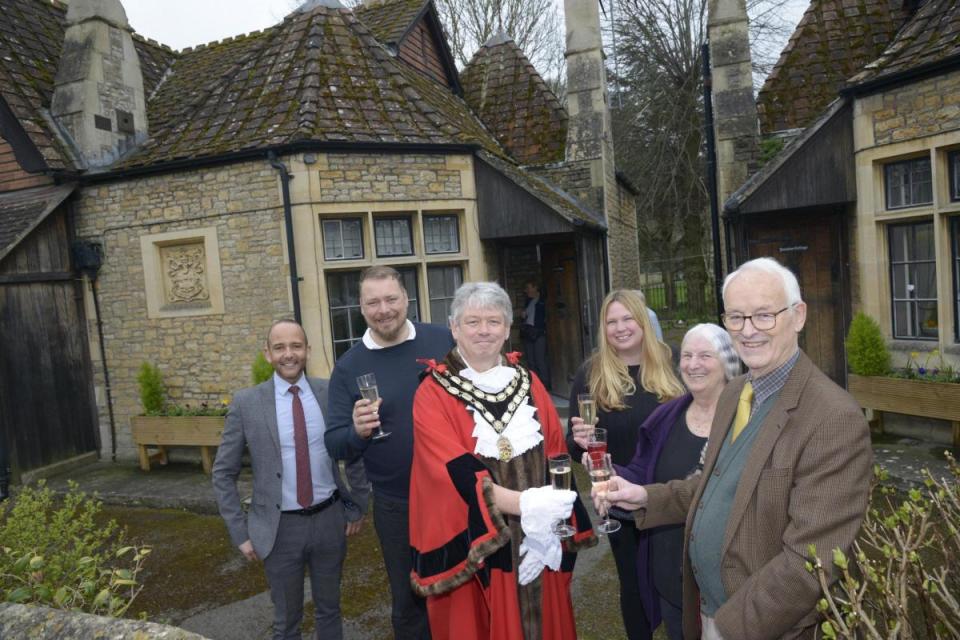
[[788, 464]]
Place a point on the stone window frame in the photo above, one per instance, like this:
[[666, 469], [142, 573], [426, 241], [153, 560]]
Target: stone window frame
[[955, 263], [151, 246], [394, 217], [341, 220], [908, 162], [440, 216]]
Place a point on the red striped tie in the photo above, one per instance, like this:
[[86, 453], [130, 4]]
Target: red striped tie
[[302, 451]]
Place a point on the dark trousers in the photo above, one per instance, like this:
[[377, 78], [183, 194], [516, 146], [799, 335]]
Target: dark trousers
[[624, 543], [672, 619], [317, 543], [535, 351], [409, 613]]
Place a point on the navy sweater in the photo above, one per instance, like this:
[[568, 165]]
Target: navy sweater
[[387, 462]]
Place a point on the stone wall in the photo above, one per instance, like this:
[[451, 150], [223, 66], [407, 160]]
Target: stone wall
[[203, 358], [357, 177], [622, 242], [919, 109], [23, 621]]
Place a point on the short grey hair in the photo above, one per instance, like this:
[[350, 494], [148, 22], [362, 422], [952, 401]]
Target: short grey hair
[[480, 295], [768, 265], [722, 344]]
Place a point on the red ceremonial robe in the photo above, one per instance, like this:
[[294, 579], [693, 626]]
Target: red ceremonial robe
[[465, 550]]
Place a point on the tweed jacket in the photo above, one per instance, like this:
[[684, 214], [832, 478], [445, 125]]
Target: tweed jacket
[[805, 481], [252, 423]]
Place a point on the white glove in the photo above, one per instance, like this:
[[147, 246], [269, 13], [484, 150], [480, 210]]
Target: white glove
[[542, 507], [531, 565]]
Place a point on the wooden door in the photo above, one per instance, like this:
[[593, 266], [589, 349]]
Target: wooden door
[[814, 248], [562, 300]]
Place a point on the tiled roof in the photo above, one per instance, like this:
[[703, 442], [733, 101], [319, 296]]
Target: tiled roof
[[318, 76], [21, 212], [834, 40], [931, 36], [31, 38], [505, 90], [389, 20]]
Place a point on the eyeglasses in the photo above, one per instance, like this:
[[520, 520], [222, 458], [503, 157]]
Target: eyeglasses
[[760, 321]]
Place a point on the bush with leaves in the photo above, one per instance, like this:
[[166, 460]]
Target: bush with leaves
[[901, 581], [54, 553], [866, 349], [262, 370], [153, 393]]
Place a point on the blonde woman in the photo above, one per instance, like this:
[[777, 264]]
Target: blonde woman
[[629, 375]]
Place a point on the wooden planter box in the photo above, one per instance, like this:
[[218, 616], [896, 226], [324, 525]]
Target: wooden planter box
[[163, 431], [911, 397]]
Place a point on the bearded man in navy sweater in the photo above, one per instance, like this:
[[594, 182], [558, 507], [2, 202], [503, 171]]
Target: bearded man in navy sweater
[[390, 349]]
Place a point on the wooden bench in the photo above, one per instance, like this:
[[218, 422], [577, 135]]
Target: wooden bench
[[169, 431]]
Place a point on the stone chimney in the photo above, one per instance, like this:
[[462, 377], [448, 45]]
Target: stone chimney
[[589, 129], [735, 111], [98, 98]]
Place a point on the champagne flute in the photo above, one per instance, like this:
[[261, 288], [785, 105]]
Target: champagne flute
[[561, 472], [368, 391], [588, 408], [601, 470], [597, 443]]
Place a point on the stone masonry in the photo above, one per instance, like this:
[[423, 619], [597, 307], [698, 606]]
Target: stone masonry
[[360, 177], [919, 109]]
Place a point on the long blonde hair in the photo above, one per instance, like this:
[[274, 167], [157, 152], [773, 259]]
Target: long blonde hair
[[609, 379]]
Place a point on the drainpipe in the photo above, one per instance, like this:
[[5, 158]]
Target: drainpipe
[[285, 179], [712, 178]]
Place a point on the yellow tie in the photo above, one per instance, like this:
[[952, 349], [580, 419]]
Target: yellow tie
[[743, 410]]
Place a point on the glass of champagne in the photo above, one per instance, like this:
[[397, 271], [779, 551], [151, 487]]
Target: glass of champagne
[[561, 472], [601, 470], [588, 408], [368, 391], [597, 443]]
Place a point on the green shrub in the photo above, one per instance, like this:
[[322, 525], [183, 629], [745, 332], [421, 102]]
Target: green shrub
[[153, 393], [866, 349], [262, 370], [54, 553]]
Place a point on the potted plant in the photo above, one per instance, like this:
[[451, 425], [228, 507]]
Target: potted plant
[[930, 389], [166, 424]]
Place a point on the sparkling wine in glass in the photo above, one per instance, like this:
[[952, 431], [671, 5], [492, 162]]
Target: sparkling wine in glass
[[368, 391], [600, 471], [588, 408], [597, 443], [561, 472]]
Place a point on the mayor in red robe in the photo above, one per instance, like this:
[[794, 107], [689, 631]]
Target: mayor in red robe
[[484, 428]]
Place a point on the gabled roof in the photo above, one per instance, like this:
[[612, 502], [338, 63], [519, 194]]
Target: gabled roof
[[511, 98], [391, 20], [318, 77], [22, 211], [931, 38], [31, 38], [834, 40]]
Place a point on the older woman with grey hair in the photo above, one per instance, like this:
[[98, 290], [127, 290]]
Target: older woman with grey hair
[[486, 554], [670, 446]]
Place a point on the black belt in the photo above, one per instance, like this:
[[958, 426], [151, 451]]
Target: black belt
[[317, 508]]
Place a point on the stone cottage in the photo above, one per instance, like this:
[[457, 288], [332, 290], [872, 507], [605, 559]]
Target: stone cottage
[[194, 196]]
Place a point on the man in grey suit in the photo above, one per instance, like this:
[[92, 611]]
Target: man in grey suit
[[301, 511]]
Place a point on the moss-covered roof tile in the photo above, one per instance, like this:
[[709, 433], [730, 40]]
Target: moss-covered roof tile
[[834, 40], [511, 98], [931, 36]]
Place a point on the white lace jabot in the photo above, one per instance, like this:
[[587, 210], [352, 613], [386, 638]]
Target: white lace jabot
[[523, 431]]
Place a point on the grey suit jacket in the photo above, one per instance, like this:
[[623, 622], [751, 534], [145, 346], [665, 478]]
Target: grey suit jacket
[[806, 481], [252, 423]]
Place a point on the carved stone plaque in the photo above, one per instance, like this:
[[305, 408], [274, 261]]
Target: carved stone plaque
[[185, 273]]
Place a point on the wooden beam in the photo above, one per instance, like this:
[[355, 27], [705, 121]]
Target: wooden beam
[[30, 278]]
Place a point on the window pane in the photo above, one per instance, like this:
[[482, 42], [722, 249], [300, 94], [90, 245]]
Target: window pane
[[443, 282], [410, 284], [346, 323], [927, 314], [955, 233], [393, 237], [908, 183], [913, 280], [441, 234], [342, 239], [340, 324], [955, 175], [357, 324]]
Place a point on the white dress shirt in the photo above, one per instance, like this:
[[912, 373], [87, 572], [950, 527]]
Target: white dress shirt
[[321, 471]]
